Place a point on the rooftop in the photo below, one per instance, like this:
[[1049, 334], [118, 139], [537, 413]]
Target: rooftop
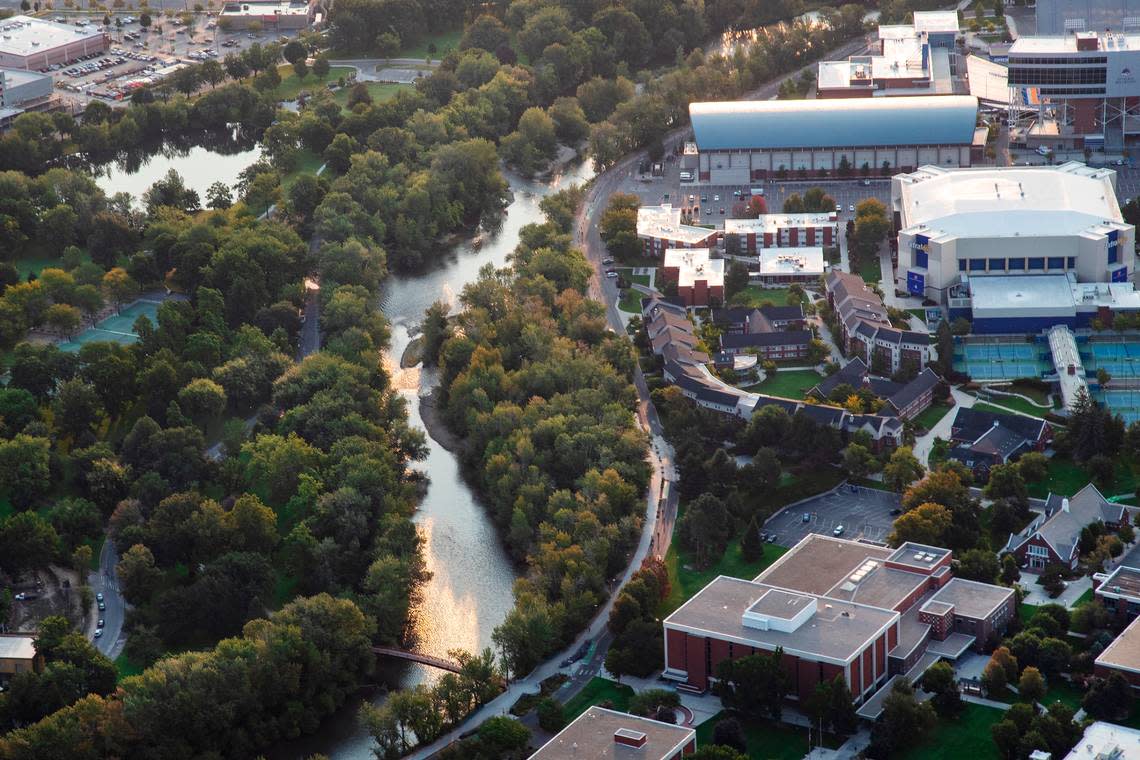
[[936, 22], [919, 120], [1007, 201], [835, 631], [24, 35], [1124, 651], [19, 77], [664, 222], [1106, 42], [17, 647], [919, 556], [266, 8], [818, 563], [972, 599], [1052, 293], [1102, 739], [1124, 581], [773, 223], [694, 264], [593, 735], [791, 261]]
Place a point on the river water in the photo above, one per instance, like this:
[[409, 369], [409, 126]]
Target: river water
[[199, 166]]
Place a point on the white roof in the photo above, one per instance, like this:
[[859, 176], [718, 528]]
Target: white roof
[[694, 264], [791, 261], [266, 8], [664, 222], [774, 222], [1102, 738], [1008, 201], [24, 35], [936, 22], [1106, 43], [17, 647]]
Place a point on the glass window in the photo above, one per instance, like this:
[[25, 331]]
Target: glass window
[[961, 265], [1036, 263], [920, 259], [977, 265], [1017, 263], [997, 265], [1113, 254], [1072, 262], [1056, 262]]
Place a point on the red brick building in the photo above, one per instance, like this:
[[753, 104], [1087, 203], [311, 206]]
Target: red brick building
[[699, 278], [835, 607], [659, 228], [1054, 538], [1119, 592], [1122, 656], [746, 237]]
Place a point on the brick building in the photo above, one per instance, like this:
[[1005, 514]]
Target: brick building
[[1055, 537], [1119, 592], [598, 734], [699, 278], [836, 607], [747, 237], [659, 228], [1122, 656], [866, 331]]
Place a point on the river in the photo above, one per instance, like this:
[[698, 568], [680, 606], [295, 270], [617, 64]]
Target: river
[[470, 591]]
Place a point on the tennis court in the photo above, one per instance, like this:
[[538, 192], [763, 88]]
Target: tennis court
[[119, 328], [1125, 402], [1000, 361], [1121, 360]]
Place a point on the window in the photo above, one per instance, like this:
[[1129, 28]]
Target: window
[[1072, 262], [1037, 263], [1056, 262], [921, 258], [997, 265], [1017, 263], [961, 265], [1038, 551], [1113, 254], [977, 265]]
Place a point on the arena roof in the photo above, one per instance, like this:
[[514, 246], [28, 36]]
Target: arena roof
[[24, 35], [1008, 201], [858, 122]]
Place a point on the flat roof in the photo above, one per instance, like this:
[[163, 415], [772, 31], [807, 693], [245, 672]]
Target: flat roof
[[266, 8], [591, 735], [1007, 201], [818, 563], [972, 599], [24, 35], [856, 122], [1111, 42], [1124, 581], [880, 586], [773, 223], [780, 604], [936, 22], [791, 261], [694, 264], [1124, 651], [920, 556], [19, 77], [1101, 739], [17, 647], [835, 632], [664, 222]]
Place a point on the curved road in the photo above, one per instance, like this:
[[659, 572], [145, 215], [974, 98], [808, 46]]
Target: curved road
[[105, 581]]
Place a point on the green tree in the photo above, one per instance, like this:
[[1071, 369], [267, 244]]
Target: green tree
[[904, 721], [941, 681], [751, 547], [1031, 686], [978, 565], [755, 684], [618, 227], [902, 469]]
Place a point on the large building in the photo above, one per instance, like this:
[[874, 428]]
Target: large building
[[22, 90], [33, 43], [983, 439], [866, 331], [742, 142], [1119, 592], [1029, 303], [1055, 538], [659, 228], [912, 59], [1057, 17], [268, 14], [601, 734], [1122, 656], [747, 236], [699, 278], [1085, 83], [1008, 220], [837, 607], [786, 266]]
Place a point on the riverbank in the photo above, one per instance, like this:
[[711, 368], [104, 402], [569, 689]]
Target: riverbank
[[430, 415]]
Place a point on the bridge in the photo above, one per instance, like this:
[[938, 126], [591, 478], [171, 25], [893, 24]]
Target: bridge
[[423, 659]]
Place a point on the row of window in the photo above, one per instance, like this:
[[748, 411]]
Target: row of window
[[1072, 91], [1080, 61], [1017, 263], [1089, 75]]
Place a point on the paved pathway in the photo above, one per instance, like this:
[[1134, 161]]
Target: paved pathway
[[985, 702], [1035, 593], [924, 444]]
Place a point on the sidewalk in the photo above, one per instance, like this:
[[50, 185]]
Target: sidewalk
[[924, 444], [1035, 593]]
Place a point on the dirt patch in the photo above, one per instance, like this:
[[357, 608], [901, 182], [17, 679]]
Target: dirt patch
[[55, 591]]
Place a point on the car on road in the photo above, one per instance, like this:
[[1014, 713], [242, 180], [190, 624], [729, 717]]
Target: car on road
[[99, 597], [100, 623], [716, 198], [771, 538], [722, 210], [704, 198], [611, 275], [26, 596], [102, 606], [838, 206], [851, 208], [608, 260], [896, 512], [838, 531], [708, 209], [98, 633]]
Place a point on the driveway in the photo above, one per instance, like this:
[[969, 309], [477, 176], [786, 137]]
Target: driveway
[[924, 444], [863, 513]]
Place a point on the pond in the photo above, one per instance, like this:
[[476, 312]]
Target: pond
[[199, 165]]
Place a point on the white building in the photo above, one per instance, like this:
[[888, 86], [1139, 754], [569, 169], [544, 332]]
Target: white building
[[784, 266], [659, 228], [1008, 220], [747, 236], [33, 43], [1106, 741]]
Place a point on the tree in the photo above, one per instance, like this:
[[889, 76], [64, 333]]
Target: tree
[[751, 547], [301, 70], [1108, 698], [735, 279], [728, 733], [902, 469], [27, 542], [1034, 466], [755, 684], [77, 408], [25, 473], [138, 574], [705, 528], [618, 227], [294, 51], [119, 286], [978, 565], [858, 461], [904, 721], [925, 524], [1007, 482], [1010, 573], [387, 45], [63, 318], [941, 681], [550, 715], [202, 399], [1031, 686], [218, 196]]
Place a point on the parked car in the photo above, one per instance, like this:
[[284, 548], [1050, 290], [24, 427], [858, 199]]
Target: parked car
[[838, 531], [806, 517], [838, 206], [98, 633], [611, 275], [99, 597], [851, 208], [102, 606]]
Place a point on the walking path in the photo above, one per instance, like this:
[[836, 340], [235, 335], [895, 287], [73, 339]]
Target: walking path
[[1035, 593], [924, 444]]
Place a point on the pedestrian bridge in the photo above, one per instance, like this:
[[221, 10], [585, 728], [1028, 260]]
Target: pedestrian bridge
[[423, 659]]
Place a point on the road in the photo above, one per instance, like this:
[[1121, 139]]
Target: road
[[105, 581]]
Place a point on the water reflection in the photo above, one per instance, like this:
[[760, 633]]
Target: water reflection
[[210, 158]]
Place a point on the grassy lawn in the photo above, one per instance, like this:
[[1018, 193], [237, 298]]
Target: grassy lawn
[[1061, 690], [765, 740], [1066, 477], [380, 91], [307, 163], [1032, 391], [1007, 404], [595, 692], [871, 271], [684, 580], [630, 298], [920, 313], [966, 736], [794, 383], [291, 86], [755, 296], [931, 416], [444, 42], [1026, 612]]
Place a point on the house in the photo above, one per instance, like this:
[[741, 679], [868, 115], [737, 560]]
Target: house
[[983, 439], [18, 655], [915, 397], [837, 607], [609, 734], [1055, 537], [1119, 592]]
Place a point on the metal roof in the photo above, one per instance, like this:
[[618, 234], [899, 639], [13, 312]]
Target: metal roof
[[858, 122]]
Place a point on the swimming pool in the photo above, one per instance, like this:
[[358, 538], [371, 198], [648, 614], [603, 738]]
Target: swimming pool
[[119, 328]]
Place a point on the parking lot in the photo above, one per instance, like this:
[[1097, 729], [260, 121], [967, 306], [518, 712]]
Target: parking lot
[[862, 512]]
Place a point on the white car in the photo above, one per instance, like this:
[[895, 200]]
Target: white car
[[98, 633], [611, 274], [838, 531], [716, 197]]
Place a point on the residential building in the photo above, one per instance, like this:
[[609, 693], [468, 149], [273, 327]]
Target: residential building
[[911, 59], [780, 267], [276, 15], [34, 43], [601, 734], [659, 228], [837, 607], [18, 655], [1122, 656], [1054, 538], [1119, 592], [982, 439], [956, 223], [746, 237], [737, 319], [744, 141], [699, 278], [866, 331], [915, 397], [777, 346], [1106, 741]]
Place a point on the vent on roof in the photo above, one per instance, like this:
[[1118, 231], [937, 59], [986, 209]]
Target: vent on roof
[[630, 738]]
